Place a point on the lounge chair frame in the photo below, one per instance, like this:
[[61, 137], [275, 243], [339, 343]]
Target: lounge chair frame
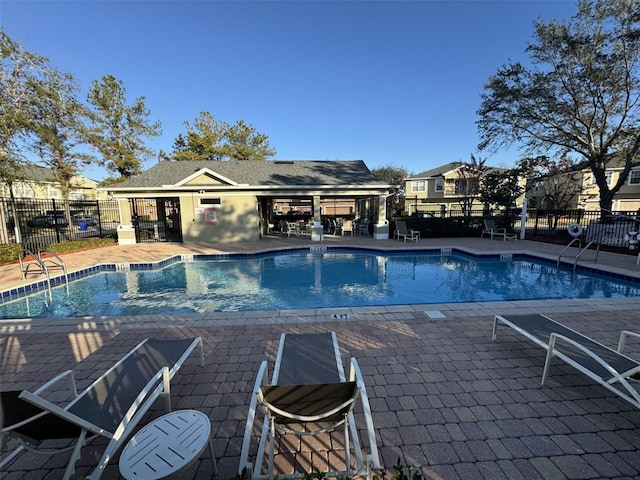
[[270, 424], [158, 385], [493, 231], [610, 368], [401, 231]]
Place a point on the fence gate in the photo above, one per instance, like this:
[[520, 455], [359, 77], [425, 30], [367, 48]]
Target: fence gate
[[156, 219]]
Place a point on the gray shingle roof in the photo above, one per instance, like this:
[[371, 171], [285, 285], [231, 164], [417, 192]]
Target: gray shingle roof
[[436, 172], [257, 173], [442, 169], [38, 174]]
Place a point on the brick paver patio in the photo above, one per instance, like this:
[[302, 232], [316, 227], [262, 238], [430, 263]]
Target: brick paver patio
[[443, 395]]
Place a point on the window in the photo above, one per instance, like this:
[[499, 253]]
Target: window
[[609, 177], [439, 185], [634, 177], [418, 186], [54, 192], [22, 189], [463, 186]]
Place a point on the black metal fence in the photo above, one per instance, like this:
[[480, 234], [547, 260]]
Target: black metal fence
[[615, 229], [38, 223]]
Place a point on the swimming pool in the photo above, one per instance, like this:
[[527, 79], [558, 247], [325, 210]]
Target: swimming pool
[[305, 279]]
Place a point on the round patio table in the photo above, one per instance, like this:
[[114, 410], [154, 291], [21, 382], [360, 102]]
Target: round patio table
[[167, 447]]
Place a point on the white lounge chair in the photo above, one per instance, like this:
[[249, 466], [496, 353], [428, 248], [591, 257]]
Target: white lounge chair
[[347, 227], [290, 228], [401, 231], [308, 395], [610, 368], [493, 231], [110, 407]]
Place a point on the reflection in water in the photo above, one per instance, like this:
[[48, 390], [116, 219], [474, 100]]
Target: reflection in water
[[313, 280]]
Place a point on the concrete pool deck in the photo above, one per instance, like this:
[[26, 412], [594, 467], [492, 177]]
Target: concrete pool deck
[[443, 395]]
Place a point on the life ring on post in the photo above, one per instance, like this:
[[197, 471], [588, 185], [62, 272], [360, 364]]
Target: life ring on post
[[575, 229]]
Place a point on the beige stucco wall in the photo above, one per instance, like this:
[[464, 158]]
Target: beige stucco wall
[[235, 219]]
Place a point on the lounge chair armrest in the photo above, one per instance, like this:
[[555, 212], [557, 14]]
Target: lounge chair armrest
[[56, 379], [623, 339], [261, 380], [159, 383], [356, 375]]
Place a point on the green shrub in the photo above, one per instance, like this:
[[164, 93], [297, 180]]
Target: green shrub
[[9, 251], [437, 227], [81, 244], [401, 472]]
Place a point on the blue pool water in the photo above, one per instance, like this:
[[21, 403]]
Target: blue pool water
[[303, 280]]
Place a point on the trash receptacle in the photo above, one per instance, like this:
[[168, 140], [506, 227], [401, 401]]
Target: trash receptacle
[[84, 225]]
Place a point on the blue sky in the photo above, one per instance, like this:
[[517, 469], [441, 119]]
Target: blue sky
[[394, 82]]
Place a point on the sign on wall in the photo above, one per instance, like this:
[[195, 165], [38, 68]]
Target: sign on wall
[[210, 216]]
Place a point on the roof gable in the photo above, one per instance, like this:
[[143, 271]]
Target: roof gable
[[205, 177]]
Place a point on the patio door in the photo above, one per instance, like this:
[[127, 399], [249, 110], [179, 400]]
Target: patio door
[[156, 219]]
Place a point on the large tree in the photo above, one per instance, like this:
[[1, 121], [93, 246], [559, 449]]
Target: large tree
[[578, 96], [39, 114], [201, 142], [211, 139], [118, 130], [20, 73], [61, 128], [244, 142]]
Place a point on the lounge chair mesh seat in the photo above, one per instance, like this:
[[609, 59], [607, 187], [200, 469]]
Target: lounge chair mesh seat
[[610, 368], [309, 400], [47, 427], [308, 395], [110, 407]]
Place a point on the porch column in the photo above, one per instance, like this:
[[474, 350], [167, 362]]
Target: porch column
[[381, 228], [316, 230], [126, 231]]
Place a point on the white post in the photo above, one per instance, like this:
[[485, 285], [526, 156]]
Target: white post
[[381, 228], [523, 218], [316, 229]]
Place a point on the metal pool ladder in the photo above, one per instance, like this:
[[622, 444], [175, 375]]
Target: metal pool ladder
[[42, 265], [580, 251]]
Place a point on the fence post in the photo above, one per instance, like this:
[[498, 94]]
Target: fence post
[[55, 220], [99, 217], [4, 232]]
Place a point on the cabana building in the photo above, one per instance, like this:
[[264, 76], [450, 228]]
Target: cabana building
[[237, 201]]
